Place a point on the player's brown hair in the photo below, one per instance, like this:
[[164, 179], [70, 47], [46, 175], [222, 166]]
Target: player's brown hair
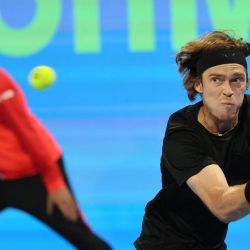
[[188, 55]]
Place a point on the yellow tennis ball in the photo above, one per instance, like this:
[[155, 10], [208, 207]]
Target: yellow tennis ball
[[42, 77]]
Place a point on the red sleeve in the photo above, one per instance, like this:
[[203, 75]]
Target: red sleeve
[[17, 116]]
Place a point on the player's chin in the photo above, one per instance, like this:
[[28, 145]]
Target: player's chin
[[227, 115]]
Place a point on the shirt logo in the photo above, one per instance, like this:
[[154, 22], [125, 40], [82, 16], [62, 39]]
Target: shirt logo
[[7, 94]]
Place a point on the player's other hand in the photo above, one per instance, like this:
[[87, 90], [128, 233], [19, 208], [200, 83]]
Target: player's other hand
[[64, 201]]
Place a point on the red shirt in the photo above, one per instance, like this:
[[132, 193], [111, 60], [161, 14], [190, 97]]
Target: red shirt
[[26, 147]]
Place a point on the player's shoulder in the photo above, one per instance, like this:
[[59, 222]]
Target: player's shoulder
[[183, 124], [186, 114]]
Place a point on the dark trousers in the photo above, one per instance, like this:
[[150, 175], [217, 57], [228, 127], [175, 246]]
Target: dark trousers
[[30, 195]]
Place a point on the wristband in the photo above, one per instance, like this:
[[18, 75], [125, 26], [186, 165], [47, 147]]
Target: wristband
[[247, 192]]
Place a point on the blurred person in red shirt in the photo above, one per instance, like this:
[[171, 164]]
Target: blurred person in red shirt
[[32, 176]]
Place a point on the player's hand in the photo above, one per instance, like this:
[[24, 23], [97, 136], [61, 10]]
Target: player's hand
[[63, 199]]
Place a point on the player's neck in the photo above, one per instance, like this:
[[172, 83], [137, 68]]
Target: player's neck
[[215, 126]]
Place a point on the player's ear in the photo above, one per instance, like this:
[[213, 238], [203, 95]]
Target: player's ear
[[198, 86]]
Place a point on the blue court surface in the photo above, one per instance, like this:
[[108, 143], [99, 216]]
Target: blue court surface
[[110, 104]]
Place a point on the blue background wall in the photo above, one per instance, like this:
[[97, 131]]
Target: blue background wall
[[108, 110]]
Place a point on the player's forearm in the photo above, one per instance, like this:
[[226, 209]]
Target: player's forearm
[[233, 204]]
